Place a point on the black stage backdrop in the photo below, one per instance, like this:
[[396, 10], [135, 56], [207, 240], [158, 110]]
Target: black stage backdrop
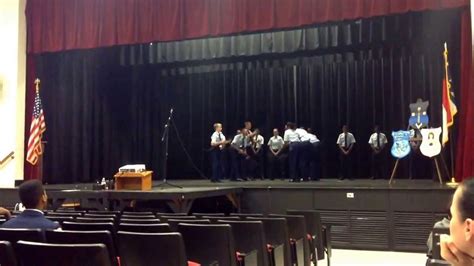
[[103, 111]]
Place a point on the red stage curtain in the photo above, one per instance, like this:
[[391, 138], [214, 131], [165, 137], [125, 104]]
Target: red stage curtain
[[465, 147], [56, 25]]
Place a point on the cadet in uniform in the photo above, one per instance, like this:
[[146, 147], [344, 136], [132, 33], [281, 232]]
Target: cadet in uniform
[[345, 142], [275, 157], [304, 148], [217, 144], [239, 155], [292, 140], [257, 154], [377, 142], [314, 162]]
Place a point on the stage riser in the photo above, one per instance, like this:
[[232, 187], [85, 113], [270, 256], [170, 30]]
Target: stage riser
[[379, 219]]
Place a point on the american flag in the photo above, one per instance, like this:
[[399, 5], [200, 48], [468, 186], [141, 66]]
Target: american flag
[[38, 126], [449, 109]]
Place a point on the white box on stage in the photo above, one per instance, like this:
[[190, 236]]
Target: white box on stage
[[132, 168]]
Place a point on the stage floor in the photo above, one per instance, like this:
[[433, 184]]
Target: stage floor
[[195, 185]]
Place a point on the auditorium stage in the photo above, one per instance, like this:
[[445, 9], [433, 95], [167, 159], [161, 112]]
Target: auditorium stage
[[363, 213]]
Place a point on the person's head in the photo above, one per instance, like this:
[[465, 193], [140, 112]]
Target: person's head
[[238, 132], [462, 217], [309, 130], [376, 128], [275, 132], [33, 195], [290, 125], [244, 131], [218, 127], [257, 131], [248, 125], [345, 128]]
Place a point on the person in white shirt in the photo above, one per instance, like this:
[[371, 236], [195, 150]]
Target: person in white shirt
[[275, 156], [257, 154], [314, 157], [345, 142], [377, 142], [304, 147], [292, 139], [218, 142], [239, 156]]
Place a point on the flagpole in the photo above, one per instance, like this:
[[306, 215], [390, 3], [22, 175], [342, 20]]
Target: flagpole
[[451, 148]]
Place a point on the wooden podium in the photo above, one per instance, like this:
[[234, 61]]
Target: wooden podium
[[133, 181]]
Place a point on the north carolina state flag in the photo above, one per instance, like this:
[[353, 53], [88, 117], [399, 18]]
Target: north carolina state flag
[[449, 109]]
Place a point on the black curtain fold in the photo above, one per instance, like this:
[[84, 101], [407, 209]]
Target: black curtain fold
[[103, 112]]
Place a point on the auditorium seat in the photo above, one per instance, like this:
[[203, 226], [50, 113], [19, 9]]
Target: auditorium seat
[[276, 233], [7, 255], [145, 228], [249, 236], [95, 220], [14, 235], [84, 237], [174, 222], [100, 215], [201, 214], [298, 234], [209, 244], [159, 214], [2, 220], [44, 254], [164, 218], [104, 212], [75, 226], [60, 219], [315, 229], [137, 213], [66, 214], [140, 221], [143, 249], [130, 216], [214, 219], [245, 215]]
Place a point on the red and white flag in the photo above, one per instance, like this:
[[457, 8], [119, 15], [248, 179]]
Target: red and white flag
[[37, 128], [448, 106]]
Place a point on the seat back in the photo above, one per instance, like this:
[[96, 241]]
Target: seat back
[[43, 254], [314, 226], [60, 219], [276, 233], [249, 236], [245, 215], [103, 212], [137, 213], [298, 232], [75, 226], [100, 215], [66, 214], [165, 218], [84, 237], [15, 235], [201, 214], [95, 220], [159, 214], [145, 228], [140, 221], [214, 219], [209, 244], [151, 249], [130, 216], [7, 255], [174, 222]]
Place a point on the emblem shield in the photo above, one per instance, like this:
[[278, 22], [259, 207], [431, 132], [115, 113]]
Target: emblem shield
[[430, 145], [419, 118], [401, 144]]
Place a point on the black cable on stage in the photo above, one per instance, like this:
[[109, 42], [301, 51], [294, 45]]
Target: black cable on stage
[[186, 152]]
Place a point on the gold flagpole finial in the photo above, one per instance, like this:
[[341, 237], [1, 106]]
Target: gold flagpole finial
[[37, 83]]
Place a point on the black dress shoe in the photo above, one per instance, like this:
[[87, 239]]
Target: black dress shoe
[[341, 178]]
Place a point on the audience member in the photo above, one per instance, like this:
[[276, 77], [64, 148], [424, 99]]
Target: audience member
[[34, 198], [5, 213], [458, 247]]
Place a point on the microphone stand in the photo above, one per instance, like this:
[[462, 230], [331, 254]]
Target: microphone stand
[[164, 139]]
